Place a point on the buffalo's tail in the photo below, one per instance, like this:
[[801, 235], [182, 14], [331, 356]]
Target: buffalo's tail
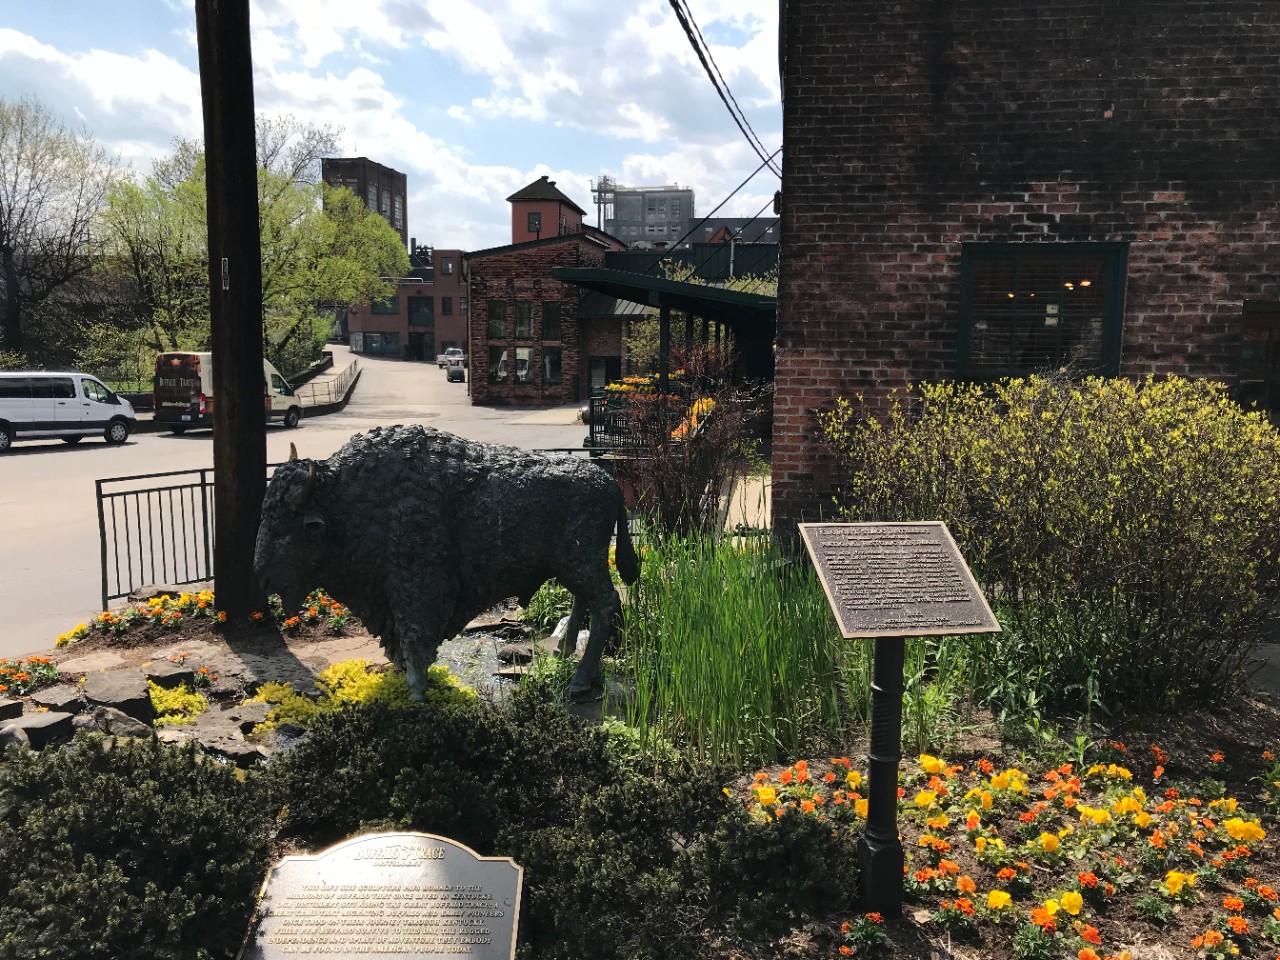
[[624, 556]]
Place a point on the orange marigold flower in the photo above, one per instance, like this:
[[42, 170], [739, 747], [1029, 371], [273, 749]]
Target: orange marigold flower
[[846, 927], [846, 950], [787, 776], [965, 906], [1042, 919], [985, 766], [875, 918], [1157, 773], [1089, 933], [1087, 953], [965, 884], [807, 806], [1217, 756], [948, 868], [1250, 882], [1238, 925], [1268, 893], [1268, 756], [1232, 904], [828, 777], [1089, 880], [1006, 873], [760, 777], [1117, 746]]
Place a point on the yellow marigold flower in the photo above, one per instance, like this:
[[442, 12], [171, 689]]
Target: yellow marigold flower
[[1048, 842], [1175, 880], [985, 800], [766, 796], [1051, 907], [860, 807], [1142, 819], [998, 900], [932, 765], [1072, 902], [1243, 831], [1126, 805], [853, 778], [1228, 804], [926, 798]]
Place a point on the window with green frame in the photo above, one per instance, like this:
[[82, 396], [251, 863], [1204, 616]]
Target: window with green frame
[[497, 319], [1034, 307], [422, 312], [524, 320]]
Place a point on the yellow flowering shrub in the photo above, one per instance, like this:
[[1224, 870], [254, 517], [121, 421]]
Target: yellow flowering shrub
[[1127, 532], [175, 705]]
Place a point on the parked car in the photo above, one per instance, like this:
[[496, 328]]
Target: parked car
[[457, 373], [38, 405], [450, 356]]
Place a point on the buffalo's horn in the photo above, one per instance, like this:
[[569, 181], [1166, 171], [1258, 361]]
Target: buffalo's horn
[[309, 488], [293, 452]]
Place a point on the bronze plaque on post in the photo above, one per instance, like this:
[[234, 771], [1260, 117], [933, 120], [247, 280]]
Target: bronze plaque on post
[[896, 579], [389, 896]]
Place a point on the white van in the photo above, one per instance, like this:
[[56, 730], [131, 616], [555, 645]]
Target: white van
[[183, 392], [38, 405]]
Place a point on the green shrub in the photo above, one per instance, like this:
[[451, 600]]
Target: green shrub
[[1127, 532], [548, 604], [126, 851], [732, 650]]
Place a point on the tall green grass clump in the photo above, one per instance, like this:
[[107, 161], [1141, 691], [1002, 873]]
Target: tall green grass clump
[[1127, 533], [732, 651]]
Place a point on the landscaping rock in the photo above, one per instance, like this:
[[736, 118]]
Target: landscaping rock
[[166, 673], [126, 690], [10, 709], [13, 736], [118, 723], [240, 752], [248, 715], [40, 729], [85, 722], [64, 698], [523, 653]]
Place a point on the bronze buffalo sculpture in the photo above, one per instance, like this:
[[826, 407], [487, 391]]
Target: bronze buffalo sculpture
[[419, 531]]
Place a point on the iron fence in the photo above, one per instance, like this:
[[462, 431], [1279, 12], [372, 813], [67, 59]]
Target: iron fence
[[328, 391], [157, 528]]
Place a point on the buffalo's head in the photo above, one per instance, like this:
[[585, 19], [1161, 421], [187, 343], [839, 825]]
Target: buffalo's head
[[294, 543]]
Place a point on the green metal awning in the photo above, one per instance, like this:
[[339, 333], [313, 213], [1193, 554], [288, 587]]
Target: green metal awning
[[715, 303]]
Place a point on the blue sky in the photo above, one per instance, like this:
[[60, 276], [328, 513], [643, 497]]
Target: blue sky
[[471, 98]]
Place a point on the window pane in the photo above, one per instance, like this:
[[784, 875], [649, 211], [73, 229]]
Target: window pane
[[524, 365], [422, 312], [497, 320], [446, 306], [15, 388], [551, 364], [93, 390], [497, 365], [551, 320], [535, 223], [524, 320], [1037, 311]]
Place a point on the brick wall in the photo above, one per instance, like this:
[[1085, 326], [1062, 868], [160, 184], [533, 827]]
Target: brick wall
[[524, 273], [914, 127]]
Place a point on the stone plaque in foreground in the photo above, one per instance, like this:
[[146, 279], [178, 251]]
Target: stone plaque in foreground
[[896, 579], [389, 895]]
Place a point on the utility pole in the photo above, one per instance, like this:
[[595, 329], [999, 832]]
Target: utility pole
[[235, 299]]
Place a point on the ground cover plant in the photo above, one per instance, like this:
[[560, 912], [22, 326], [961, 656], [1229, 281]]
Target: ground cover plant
[[1127, 533]]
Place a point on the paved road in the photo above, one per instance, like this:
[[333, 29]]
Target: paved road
[[49, 566]]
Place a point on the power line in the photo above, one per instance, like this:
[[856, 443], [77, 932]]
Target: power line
[[736, 234], [731, 195], [690, 30], [725, 85]]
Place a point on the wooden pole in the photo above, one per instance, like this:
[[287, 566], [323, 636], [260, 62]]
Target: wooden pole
[[235, 299]]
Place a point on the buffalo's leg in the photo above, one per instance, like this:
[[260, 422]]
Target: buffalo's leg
[[604, 607], [569, 641]]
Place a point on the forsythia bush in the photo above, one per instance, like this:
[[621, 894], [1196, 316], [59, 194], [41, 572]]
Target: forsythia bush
[[1128, 533]]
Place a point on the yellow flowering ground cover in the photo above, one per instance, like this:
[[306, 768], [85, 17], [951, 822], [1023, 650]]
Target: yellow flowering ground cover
[[1113, 858]]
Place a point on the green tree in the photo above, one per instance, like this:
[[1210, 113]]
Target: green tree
[[53, 182], [321, 248]]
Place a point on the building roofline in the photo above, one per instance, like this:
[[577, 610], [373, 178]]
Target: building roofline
[[542, 242]]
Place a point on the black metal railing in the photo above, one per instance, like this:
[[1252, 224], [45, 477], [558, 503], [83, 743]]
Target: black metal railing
[[163, 533]]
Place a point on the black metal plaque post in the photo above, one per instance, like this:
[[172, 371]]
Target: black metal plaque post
[[880, 856], [888, 581]]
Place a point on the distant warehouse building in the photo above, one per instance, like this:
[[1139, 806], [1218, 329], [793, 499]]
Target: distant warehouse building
[[383, 190]]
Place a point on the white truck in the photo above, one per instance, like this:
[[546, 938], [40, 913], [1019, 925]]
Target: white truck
[[451, 356]]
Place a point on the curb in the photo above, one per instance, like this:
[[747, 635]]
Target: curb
[[149, 425]]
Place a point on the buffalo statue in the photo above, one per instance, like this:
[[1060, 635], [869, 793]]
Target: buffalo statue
[[419, 531]]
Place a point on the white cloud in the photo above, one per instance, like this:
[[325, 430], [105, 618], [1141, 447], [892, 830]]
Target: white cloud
[[619, 84]]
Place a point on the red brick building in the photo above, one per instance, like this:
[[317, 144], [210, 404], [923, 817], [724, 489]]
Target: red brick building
[[985, 188], [426, 315], [529, 343]]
